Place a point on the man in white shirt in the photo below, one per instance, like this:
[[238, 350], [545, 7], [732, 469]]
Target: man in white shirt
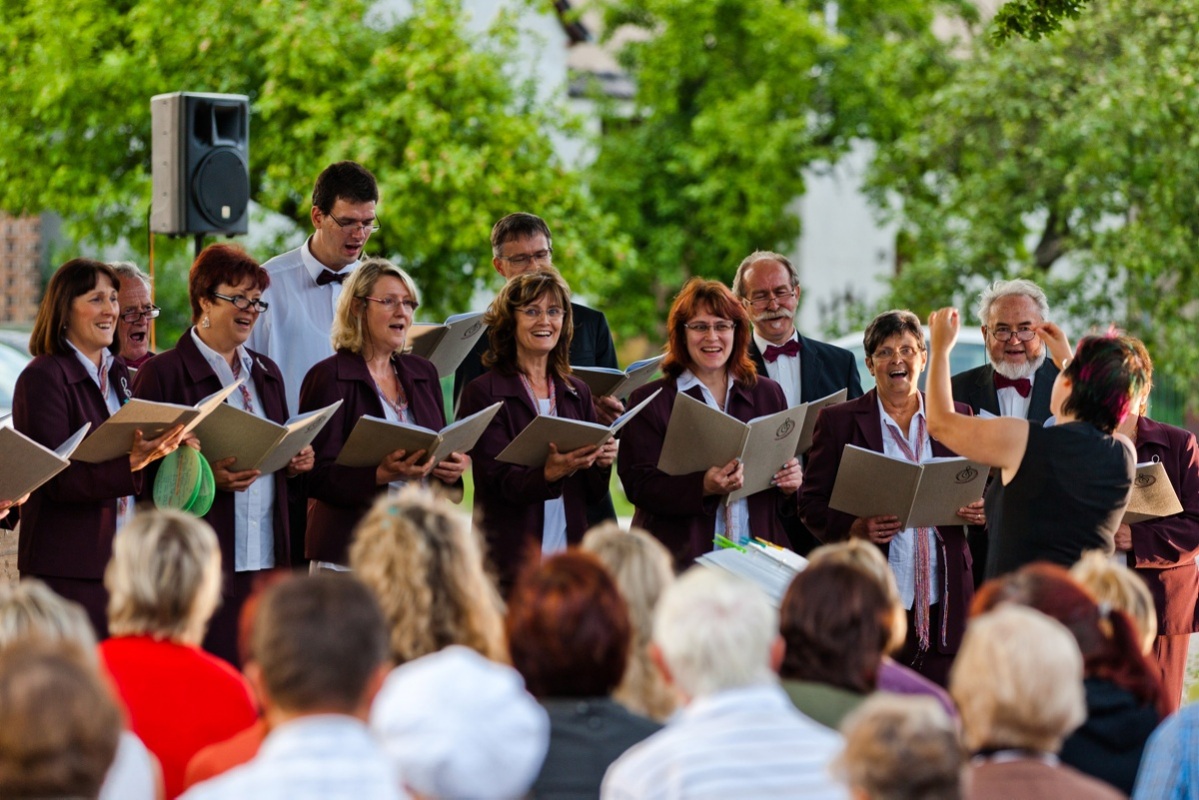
[[306, 282], [319, 657], [1018, 381], [305, 285], [768, 284], [716, 642]]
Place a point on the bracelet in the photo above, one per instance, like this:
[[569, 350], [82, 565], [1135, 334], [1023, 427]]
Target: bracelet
[[1065, 363]]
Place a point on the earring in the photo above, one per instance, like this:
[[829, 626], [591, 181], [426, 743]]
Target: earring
[[205, 323]]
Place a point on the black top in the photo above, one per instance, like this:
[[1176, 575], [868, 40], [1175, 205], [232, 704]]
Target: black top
[[1109, 745], [586, 735], [1067, 497]]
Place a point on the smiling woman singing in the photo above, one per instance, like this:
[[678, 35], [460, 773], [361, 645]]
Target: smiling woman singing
[[931, 565]]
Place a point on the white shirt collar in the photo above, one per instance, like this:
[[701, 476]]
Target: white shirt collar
[[216, 360], [687, 380], [315, 267], [106, 359]]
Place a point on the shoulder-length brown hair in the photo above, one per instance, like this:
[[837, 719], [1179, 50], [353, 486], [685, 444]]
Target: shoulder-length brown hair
[[74, 278], [697, 296], [501, 321]]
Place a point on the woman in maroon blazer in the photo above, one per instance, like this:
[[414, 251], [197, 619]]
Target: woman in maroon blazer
[[68, 524], [890, 419], [1162, 551], [370, 376], [707, 356], [249, 515], [529, 511]]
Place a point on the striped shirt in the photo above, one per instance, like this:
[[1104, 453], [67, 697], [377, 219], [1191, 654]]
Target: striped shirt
[[745, 742]]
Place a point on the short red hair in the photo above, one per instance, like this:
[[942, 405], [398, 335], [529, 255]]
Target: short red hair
[[222, 263], [696, 297], [568, 628]]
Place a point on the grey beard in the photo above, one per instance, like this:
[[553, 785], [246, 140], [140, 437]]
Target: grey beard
[[1017, 371]]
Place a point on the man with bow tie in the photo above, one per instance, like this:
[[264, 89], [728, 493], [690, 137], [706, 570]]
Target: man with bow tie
[[1018, 381], [305, 285], [768, 284]]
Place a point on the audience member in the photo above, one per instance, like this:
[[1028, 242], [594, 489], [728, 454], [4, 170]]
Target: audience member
[[1061, 490], [30, 611], [1018, 683], [1118, 587], [526, 512], [716, 642], [1163, 550], [1168, 767], [319, 656], [369, 374], [641, 567], [836, 623], [423, 561], [930, 564], [165, 581], [59, 727], [137, 314], [902, 748], [893, 677], [455, 725], [1123, 697], [568, 632]]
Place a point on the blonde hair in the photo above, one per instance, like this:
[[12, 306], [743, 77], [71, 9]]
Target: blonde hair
[[1119, 588], [164, 579], [347, 332], [864, 556], [1017, 681], [642, 569], [31, 610], [423, 561], [902, 747]]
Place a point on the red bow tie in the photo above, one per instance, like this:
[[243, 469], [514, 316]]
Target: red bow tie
[[772, 353], [328, 276], [1022, 385]]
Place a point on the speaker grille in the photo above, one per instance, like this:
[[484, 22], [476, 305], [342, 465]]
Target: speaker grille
[[221, 188]]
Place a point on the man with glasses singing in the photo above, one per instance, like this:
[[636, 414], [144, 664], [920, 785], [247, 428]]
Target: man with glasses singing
[[137, 310], [1017, 382], [522, 243], [768, 284], [306, 282]]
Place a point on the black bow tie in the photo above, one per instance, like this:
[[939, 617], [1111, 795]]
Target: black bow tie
[[328, 276]]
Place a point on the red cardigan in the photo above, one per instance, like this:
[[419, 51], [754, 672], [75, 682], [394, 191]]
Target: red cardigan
[[179, 699]]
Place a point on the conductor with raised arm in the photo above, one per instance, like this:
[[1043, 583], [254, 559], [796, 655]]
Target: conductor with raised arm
[[1061, 490]]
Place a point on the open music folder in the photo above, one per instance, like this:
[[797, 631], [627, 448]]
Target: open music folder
[[258, 443], [447, 344], [531, 447], [373, 438], [25, 465], [620, 383], [1152, 495]]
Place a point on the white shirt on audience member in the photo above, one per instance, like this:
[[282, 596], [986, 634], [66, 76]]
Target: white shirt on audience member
[[743, 742]]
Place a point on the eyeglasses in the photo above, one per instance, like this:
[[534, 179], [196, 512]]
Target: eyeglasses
[[886, 353], [762, 299], [390, 303], [352, 225], [702, 328], [1022, 335], [541, 256], [243, 303], [135, 314], [532, 313]]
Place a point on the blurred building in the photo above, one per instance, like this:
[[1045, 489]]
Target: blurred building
[[22, 253]]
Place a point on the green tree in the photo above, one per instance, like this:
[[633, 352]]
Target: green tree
[[734, 99], [1071, 161], [1032, 19], [454, 140]]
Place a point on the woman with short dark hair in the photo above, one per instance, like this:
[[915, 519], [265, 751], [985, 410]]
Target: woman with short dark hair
[[67, 525], [569, 635], [707, 358]]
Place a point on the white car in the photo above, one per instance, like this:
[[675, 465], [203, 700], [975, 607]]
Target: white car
[[969, 352]]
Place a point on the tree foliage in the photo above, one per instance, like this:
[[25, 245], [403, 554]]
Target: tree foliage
[[1032, 19], [455, 141], [734, 99], [1071, 161]]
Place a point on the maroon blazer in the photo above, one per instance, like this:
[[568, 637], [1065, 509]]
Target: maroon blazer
[[338, 496], [67, 525], [673, 507], [509, 499], [857, 422], [183, 376], [1164, 549]]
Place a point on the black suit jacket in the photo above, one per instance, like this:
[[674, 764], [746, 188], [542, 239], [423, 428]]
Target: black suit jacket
[[976, 388], [823, 369]]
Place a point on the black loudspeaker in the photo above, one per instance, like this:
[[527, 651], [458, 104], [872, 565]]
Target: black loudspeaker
[[200, 155]]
